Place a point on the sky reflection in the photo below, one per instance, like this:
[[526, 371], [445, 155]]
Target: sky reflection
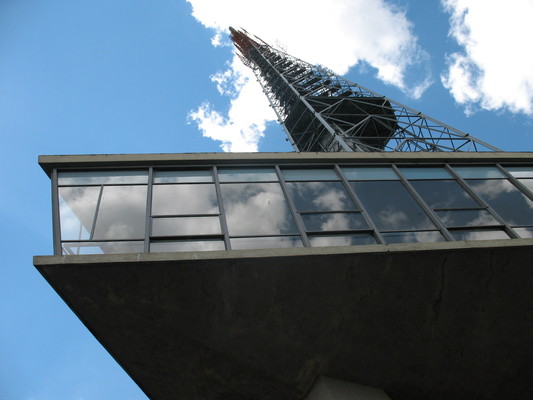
[[256, 209]]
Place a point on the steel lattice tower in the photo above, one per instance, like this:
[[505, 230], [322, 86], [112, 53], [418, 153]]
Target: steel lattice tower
[[321, 111]]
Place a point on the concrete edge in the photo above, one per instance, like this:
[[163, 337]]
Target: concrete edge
[[48, 162], [125, 258]]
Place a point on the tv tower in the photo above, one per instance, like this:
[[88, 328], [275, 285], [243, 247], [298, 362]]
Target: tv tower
[[321, 111]]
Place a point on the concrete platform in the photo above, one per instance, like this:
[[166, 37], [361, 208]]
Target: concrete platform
[[423, 321], [326, 388]]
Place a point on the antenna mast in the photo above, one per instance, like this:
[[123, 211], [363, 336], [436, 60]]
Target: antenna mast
[[321, 111]]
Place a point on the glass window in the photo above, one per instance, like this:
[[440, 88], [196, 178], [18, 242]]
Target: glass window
[[320, 196], [425, 173], [184, 199], [77, 206], [256, 209], [524, 232], [272, 242], [521, 172], [183, 176], [122, 213], [103, 247], [478, 172], [186, 245], [390, 206], [310, 175], [369, 173], [444, 194], [247, 174], [413, 237], [528, 183], [185, 226], [334, 221], [484, 234], [456, 218], [102, 177], [513, 206], [358, 239]]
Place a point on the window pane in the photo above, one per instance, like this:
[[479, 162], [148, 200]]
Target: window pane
[[320, 196], [506, 199], [101, 177], [256, 209], [425, 173], [186, 226], [478, 172], [279, 242], [202, 175], [444, 194], [527, 183], [479, 235], [524, 232], [184, 199], [334, 221], [186, 245], [466, 218], [77, 206], [122, 213], [310, 175], [103, 247], [247, 174], [391, 206], [369, 173], [413, 237], [341, 240], [521, 172]]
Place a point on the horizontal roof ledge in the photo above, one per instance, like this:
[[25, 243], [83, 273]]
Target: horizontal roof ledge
[[48, 162]]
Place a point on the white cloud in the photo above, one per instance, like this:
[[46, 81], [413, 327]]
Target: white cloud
[[248, 114], [338, 35], [495, 69]]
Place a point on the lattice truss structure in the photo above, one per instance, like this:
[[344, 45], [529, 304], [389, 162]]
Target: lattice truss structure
[[321, 111]]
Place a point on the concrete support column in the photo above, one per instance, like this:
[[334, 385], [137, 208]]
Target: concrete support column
[[335, 389]]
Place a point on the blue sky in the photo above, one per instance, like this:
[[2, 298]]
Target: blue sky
[[134, 76]]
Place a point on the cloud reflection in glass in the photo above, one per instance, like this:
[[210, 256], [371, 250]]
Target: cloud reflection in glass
[[256, 209]]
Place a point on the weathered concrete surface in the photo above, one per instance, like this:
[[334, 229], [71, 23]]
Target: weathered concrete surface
[[326, 388], [433, 321]]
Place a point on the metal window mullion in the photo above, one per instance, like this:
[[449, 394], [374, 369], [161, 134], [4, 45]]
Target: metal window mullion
[[482, 202], [429, 212], [148, 216], [281, 235], [292, 208], [359, 203], [330, 212], [469, 228], [459, 208], [187, 237], [103, 240], [105, 183], [408, 230], [342, 232], [96, 210], [56, 224], [162, 216], [519, 185], [222, 217]]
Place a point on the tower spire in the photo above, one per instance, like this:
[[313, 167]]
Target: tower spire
[[321, 111]]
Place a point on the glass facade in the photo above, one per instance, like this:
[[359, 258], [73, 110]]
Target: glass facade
[[232, 207]]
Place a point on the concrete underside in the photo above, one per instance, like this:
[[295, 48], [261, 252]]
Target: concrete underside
[[434, 321]]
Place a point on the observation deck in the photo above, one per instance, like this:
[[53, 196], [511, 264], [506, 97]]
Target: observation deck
[[214, 276]]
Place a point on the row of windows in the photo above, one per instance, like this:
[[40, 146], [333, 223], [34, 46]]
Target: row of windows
[[110, 211]]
